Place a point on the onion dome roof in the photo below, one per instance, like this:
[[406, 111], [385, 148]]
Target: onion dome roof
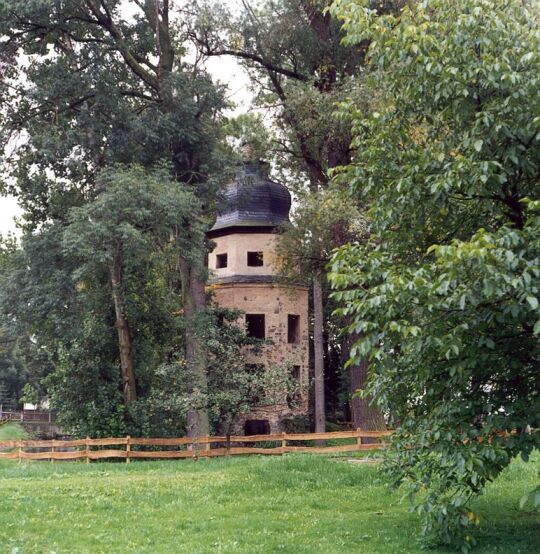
[[252, 199]]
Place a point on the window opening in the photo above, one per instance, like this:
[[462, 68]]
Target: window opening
[[255, 259], [221, 261], [254, 369], [257, 389], [293, 329], [255, 327], [257, 427]]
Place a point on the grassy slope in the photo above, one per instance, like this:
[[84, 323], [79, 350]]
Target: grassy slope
[[12, 431], [294, 504]]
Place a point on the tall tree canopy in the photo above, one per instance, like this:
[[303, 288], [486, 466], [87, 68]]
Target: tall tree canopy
[[446, 291], [120, 236], [14, 372], [85, 86]]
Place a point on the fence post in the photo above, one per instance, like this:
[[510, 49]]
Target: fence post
[[128, 449], [358, 438], [207, 446], [52, 453], [20, 451], [87, 443], [283, 442]]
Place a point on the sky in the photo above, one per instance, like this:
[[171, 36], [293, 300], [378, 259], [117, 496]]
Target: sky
[[8, 211], [224, 69]]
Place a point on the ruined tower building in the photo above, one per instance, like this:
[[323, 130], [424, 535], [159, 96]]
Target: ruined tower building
[[243, 276]]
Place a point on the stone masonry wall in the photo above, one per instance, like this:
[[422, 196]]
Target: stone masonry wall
[[276, 302]]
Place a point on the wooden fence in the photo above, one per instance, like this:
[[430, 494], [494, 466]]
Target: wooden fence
[[137, 448], [29, 416]]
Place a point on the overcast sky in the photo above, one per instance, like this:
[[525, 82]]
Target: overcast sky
[[8, 210], [223, 69]]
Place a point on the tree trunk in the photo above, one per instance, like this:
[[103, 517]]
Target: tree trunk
[[318, 344], [365, 415], [194, 301], [122, 327]]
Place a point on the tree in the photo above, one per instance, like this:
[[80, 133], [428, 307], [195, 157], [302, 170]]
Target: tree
[[102, 88], [14, 374], [56, 298], [323, 221], [235, 386], [37, 306], [445, 293], [295, 56], [135, 213]]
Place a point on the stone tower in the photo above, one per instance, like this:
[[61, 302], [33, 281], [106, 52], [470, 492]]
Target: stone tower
[[243, 277]]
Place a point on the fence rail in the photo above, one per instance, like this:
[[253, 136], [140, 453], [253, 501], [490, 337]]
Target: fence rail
[[194, 447], [29, 416]]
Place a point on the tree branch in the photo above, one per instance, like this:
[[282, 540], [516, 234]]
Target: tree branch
[[106, 22]]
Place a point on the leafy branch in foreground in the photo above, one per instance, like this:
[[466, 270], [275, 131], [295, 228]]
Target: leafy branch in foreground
[[445, 294]]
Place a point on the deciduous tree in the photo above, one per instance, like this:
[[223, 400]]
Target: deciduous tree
[[136, 213], [446, 291], [86, 85], [300, 68]]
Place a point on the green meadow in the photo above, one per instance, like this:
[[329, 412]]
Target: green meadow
[[295, 504]]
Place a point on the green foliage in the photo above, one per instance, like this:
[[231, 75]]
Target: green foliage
[[86, 92], [299, 67], [235, 384], [445, 293], [322, 221], [13, 372], [58, 292], [58, 326], [16, 364], [249, 129], [138, 213]]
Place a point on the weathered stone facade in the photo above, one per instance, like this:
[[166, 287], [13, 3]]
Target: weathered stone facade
[[276, 302]]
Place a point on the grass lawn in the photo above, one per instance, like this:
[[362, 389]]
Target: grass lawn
[[295, 504], [12, 431]]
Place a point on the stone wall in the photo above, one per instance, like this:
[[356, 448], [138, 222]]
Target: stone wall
[[276, 302]]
